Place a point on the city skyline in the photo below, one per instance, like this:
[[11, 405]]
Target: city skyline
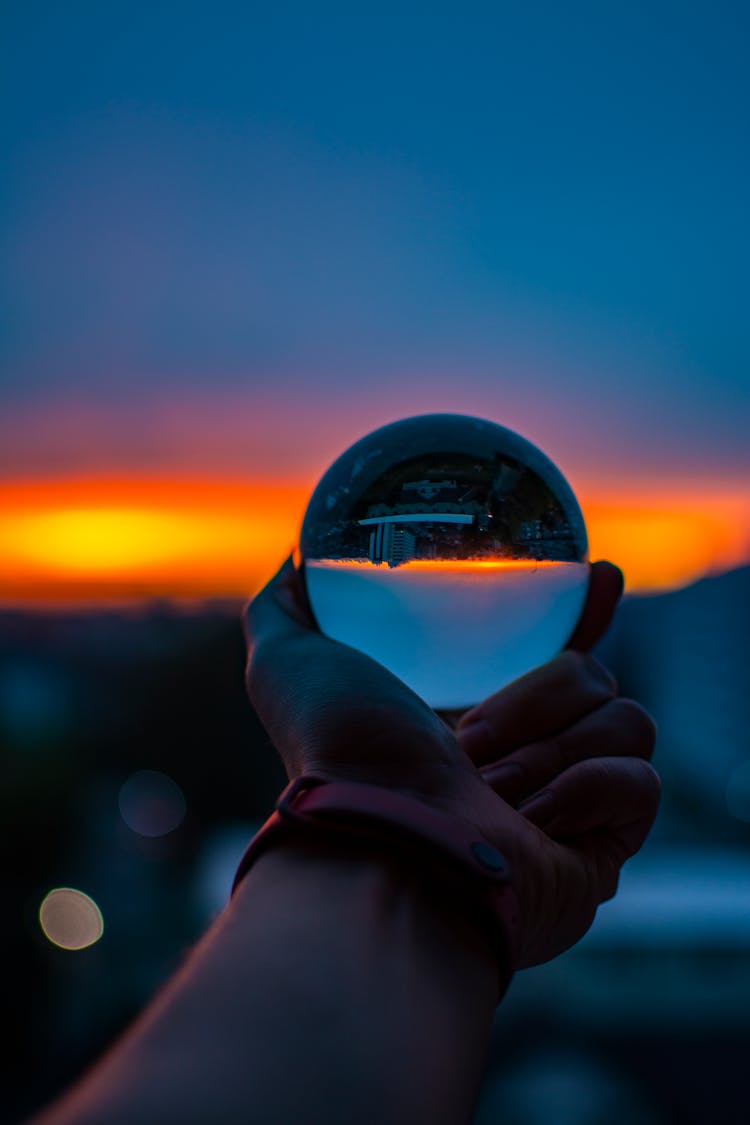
[[458, 506]]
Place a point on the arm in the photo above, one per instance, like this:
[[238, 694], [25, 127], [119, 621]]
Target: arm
[[334, 988]]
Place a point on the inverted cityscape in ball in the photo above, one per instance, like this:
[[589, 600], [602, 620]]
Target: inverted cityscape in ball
[[451, 550]]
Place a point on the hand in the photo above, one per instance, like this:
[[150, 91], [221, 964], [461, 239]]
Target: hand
[[330, 709]]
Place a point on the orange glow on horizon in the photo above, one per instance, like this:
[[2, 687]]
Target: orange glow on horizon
[[102, 541], [665, 540], [81, 542], [455, 564]]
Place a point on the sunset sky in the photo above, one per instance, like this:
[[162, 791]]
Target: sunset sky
[[237, 237]]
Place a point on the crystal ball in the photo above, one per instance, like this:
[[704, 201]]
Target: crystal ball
[[449, 549]]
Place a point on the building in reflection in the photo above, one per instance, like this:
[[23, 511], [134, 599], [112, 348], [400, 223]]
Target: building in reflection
[[391, 542], [395, 539]]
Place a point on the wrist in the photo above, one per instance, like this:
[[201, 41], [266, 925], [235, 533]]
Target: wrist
[[456, 869], [371, 896], [368, 969]]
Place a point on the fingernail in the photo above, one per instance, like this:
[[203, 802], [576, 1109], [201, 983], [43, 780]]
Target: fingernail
[[540, 808], [475, 738]]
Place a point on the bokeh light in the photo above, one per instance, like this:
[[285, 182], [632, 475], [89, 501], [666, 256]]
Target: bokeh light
[[70, 919], [151, 803]]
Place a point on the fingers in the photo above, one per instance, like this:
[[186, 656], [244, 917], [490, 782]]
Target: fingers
[[605, 590], [618, 728], [535, 707], [603, 808]]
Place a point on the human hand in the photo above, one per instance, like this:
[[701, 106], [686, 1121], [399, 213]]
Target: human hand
[[330, 709]]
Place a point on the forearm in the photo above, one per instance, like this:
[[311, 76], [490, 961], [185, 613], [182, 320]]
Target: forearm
[[332, 988]]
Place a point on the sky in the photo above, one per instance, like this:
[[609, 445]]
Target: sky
[[237, 237]]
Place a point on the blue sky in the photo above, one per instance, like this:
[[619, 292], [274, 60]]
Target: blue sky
[[330, 215]]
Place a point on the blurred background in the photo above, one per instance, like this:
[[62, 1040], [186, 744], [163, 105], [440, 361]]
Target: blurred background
[[237, 238]]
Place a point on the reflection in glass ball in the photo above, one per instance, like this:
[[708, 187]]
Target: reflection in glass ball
[[449, 549]]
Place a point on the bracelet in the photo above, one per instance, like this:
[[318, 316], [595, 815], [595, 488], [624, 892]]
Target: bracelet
[[450, 848]]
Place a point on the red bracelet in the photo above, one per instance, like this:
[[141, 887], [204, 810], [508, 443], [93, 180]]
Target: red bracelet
[[315, 805]]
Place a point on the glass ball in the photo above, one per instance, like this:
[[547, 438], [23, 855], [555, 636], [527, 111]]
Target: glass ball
[[449, 549]]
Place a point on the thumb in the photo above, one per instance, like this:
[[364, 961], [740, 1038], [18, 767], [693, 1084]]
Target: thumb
[[281, 608]]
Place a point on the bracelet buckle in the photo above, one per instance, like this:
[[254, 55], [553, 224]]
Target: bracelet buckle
[[301, 784]]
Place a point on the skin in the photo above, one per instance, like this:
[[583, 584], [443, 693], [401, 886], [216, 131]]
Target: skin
[[346, 986]]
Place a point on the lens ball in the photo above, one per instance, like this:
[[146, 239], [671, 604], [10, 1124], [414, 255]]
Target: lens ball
[[449, 549]]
